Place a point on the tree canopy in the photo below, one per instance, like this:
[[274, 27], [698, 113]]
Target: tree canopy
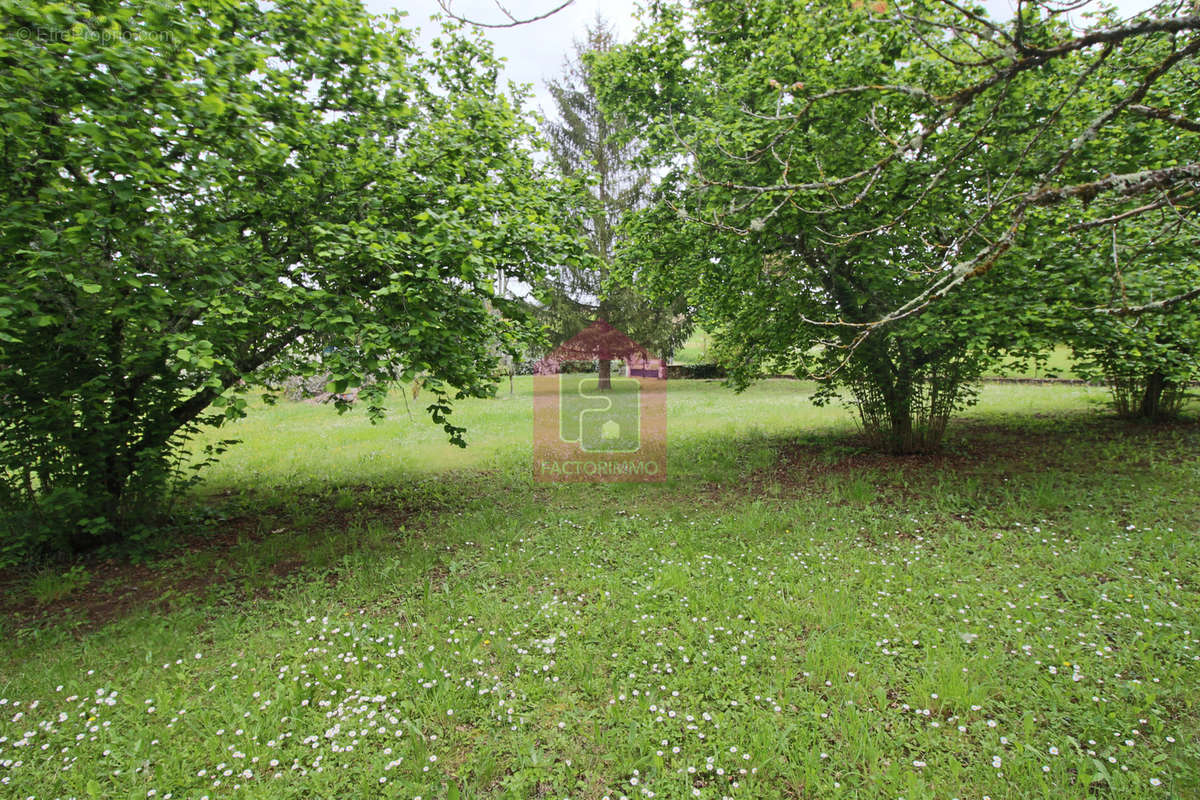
[[198, 199], [928, 83], [849, 169]]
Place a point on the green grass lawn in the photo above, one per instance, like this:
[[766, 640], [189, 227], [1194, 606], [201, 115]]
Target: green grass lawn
[[1059, 363], [377, 614], [696, 350]]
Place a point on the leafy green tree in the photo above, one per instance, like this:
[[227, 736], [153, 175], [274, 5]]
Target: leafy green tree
[[1147, 359], [1121, 269], [722, 94], [856, 167], [196, 198], [594, 147]]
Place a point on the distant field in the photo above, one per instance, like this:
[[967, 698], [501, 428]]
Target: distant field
[[370, 612], [305, 444], [1058, 364], [695, 350]]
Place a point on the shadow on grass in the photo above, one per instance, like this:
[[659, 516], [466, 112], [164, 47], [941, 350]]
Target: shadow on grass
[[988, 468], [235, 547]]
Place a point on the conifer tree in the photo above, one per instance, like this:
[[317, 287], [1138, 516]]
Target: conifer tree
[[588, 144]]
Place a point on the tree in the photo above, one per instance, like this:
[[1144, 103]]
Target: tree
[[1076, 93], [784, 288], [1120, 269], [1147, 359], [198, 199], [590, 145], [862, 164]]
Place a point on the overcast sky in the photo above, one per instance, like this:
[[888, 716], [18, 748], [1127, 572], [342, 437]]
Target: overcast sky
[[535, 52]]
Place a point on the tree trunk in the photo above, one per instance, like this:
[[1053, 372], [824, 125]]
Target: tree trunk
[[901, 436], [903, 402], [605, 382], [1152, 396]]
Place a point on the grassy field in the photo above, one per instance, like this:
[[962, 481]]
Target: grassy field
[[307, 446], [373, 613], [1059, 361], [696, 350]]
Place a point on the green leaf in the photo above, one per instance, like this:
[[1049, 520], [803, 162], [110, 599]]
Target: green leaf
[[212, 104]]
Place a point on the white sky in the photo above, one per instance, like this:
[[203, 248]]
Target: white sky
[[534, 53]]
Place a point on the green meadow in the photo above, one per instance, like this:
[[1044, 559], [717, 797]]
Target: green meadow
[[357, 610]]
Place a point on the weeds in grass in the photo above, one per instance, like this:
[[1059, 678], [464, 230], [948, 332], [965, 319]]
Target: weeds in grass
[[49, 585]]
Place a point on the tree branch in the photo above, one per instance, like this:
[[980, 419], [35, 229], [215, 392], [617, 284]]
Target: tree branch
[[1157, 305], [513, 21], [1178, 120], [1125, 185]]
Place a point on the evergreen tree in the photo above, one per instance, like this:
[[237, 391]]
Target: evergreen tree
[[593, 146]]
